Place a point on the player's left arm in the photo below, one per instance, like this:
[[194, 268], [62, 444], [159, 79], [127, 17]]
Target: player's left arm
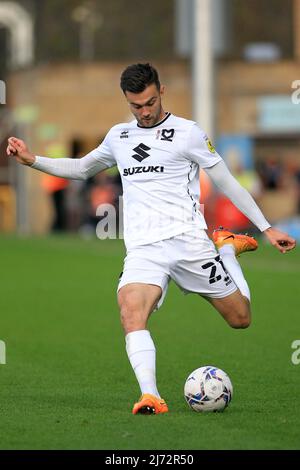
[[280, 240], [221, 176]]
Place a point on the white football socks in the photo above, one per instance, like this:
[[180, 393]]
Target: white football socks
[[141, 353], [232, 265]]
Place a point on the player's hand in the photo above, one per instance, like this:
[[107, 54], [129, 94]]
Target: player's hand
[[18, 149], [280, 240]]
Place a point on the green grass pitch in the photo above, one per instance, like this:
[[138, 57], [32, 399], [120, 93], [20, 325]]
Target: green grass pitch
[[67, 383]]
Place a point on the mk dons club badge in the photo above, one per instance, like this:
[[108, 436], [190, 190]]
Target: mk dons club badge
[[210, 146]]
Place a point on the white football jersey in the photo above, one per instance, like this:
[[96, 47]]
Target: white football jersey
[[159, 167]]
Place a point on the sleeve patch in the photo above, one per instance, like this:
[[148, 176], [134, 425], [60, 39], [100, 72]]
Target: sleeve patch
[[210, 146]]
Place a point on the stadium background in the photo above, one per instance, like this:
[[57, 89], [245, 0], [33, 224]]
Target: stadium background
[[66, 382]]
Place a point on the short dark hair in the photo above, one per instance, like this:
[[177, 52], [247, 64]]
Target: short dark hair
[[137, 77]]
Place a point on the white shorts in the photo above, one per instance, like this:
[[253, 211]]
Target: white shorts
[[189, 259]]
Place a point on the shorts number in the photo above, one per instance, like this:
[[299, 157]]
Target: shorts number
[[213, 269]]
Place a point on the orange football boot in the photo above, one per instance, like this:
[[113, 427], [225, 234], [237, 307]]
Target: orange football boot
[[150, 405], [240, 242]]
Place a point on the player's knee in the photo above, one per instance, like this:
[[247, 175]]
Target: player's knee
[[240, 321], [130, 310], [241, 318], [128, 300], [240, 324], [131, 320]]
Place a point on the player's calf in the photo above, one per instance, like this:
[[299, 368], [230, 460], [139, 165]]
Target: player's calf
[[235, 309], [132, 314]]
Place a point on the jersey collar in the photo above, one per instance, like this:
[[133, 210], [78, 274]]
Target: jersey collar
[[157, 124]]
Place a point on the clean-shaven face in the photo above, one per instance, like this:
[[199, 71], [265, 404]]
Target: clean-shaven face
[[146, 106]]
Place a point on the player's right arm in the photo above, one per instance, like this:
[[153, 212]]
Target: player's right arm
[[71, 168]]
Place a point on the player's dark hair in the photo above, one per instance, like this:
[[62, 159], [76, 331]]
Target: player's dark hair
[[137, 77]]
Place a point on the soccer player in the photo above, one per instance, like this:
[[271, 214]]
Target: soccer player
[[159, 156]]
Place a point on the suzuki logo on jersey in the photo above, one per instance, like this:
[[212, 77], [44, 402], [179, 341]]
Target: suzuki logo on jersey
[[167, 134], [141, 153], [143, 169]]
